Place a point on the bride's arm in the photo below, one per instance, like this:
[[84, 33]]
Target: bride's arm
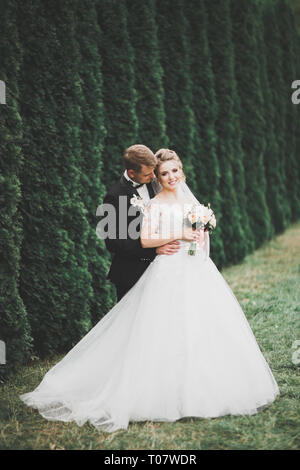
[[151, 235], [151, 240]]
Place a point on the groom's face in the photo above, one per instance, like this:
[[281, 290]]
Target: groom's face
[[145, 175]]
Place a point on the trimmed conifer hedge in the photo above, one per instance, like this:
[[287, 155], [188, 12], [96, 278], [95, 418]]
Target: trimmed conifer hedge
[[281, 210], [85, 79], [251, 116], [55, 283], [14, 324], [288, 39], [148, 72], [233, 227], [119, 94], [92, 138], [205, 107], [174, 56]]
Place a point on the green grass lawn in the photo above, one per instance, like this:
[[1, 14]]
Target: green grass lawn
[[268, 289]]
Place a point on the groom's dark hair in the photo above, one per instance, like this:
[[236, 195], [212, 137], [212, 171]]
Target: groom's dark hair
[[138, 155]]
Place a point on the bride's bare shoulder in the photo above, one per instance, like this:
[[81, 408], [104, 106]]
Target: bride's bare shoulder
[[156, 204], [157, 200]]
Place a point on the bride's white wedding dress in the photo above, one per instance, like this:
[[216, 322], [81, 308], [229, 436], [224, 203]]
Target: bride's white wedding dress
[[177, 345]]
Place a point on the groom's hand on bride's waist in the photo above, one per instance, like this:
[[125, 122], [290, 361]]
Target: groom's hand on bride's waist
[[168, 248]]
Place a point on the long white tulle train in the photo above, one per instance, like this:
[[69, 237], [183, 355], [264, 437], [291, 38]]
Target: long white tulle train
[[177, 345]]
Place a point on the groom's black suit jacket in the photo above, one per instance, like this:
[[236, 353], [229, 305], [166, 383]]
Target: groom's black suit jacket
[[129, 260]]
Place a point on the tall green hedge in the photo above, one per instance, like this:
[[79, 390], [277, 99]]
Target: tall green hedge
[[297, 108], [288, 40], [280, 210], [233, 227], [150, 111], [55, 282], [174, 55], [14, 325], [205, 108], [251, 116], [119, 94], [86, 79], [92, 136]]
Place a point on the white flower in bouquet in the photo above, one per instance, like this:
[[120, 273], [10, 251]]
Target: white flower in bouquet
[[213, 221]]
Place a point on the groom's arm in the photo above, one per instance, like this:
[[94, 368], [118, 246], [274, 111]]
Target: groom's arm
[[126, 245]]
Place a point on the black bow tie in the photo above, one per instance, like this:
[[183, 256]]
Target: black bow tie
[[136, 186]]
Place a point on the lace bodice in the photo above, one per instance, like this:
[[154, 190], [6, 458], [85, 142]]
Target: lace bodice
[[163, 219]]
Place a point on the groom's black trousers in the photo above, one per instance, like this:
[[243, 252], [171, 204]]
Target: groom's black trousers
[[132, 277], [121, 291]]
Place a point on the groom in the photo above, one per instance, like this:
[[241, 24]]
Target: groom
[[130, 260]]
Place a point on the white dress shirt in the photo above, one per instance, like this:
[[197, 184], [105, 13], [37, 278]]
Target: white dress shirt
[[142, 190]]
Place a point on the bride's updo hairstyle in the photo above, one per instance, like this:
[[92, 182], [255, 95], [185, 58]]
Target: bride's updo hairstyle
[[165, 155]]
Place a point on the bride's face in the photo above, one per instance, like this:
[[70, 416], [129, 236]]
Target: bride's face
[[169, 174]]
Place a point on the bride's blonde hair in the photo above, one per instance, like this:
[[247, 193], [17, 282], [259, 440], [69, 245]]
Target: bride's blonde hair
[[165, 155]]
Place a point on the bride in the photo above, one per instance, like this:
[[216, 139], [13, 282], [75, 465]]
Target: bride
[[176, 345]]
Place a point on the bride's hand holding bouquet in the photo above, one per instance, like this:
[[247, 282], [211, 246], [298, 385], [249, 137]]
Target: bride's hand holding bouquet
[[202, 219]]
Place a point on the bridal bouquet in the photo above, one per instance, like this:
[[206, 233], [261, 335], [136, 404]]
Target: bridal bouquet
[[201, 217]]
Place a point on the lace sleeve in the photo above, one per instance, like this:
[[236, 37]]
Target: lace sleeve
[[151, 222]]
